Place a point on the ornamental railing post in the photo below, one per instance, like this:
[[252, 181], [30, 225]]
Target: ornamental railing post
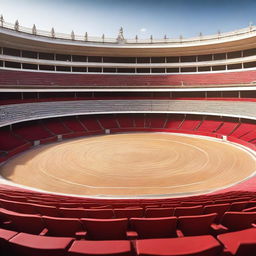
[[53, 33], [73, 35], [2, 20], [219, 33], [34, 31], [86, 36], [17, 25]]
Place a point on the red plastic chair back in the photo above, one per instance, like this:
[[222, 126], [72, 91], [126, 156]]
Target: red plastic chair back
[[154, 227], [159, 212], [196, 225], [238, 220], [105, 229]]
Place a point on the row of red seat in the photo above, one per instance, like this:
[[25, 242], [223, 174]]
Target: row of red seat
[[110, 211], [17, 194], [235, 244], [25, 78], [108, 229], [15, 199], [240, 243], [41, 247], [23, 135], [67, 125], [232, 220]]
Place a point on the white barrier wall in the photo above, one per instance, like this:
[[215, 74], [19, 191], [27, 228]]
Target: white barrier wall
[[16, 113]]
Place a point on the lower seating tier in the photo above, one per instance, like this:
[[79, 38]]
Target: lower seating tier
[[207, 225], [21, 136], [241, 243]]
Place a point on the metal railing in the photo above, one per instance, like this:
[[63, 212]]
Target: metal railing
[[103, 39]]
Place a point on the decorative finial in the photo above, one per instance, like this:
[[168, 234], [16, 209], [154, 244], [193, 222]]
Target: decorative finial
[[16, 25], [120, 36], [2, 20], [219, 33], [34, 31], [72, 35], [53, 33], [250, 25], [86, 36]]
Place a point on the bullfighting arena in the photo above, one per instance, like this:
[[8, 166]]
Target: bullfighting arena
[[135, 164]]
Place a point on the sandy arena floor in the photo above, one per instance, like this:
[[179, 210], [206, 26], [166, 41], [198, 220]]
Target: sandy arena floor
[[131, 165]]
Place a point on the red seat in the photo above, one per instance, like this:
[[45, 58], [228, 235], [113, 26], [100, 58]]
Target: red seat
[[252, 209], [9, 141], [23, 222], [102, 207], [234, 221], [220, 209], [251, 203], [159, 212], [196, 225], [147, 206], [29, 245], [5, 236], [182, 246], [47, 210], [70, 205], [31, 131], [238, 206], [240, 243], [171, 205], [69, 227], [191, 203], [129, 213], [105, 229], [18, 207], [106, 248], [154, 227], [188, 211], [73, 212], [100, 213], [238, 220]]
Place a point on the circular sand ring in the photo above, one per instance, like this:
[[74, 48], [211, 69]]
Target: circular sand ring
[[135, 164]]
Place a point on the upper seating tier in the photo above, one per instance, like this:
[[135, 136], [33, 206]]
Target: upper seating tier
[[27, 78]]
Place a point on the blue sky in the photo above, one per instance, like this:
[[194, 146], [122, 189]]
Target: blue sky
[[138, 17]]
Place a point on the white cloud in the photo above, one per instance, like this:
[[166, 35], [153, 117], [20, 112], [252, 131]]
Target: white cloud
[[143, 30]]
